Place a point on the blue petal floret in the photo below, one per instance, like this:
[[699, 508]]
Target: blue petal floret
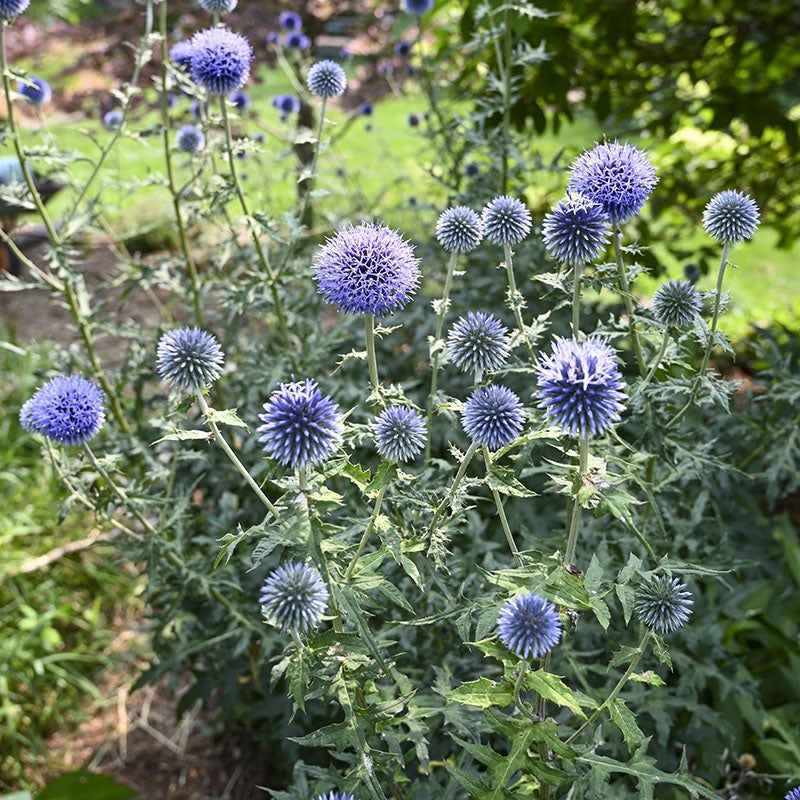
[[676, 304], [190, 139], [67, 410], [580, 386], [459, 229], [506, 220], [367, 269], [220, 60], [11, 9], [399, 434], [326, 79], [529, 626], [663, 604], [294, 597], [478, 342], [575, 231], [619, 177], [35, 90], [493, 416], [731, 217], [189, 358], [301, 426]]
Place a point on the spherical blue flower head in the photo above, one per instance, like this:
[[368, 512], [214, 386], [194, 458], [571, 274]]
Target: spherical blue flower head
[[189, 358], [180, 54], [619, 177], [218, 6], [294, 597], [67, 410], [414, 120], [220, 60], [367, 269], [286, 103], [301, 427], [506, 220], [11, 9], [190, 139], [731, 217], [326, 79], [478, 342], [35, 90], [290, 21], [297, 41], [493, 416], [529, 626], [472, 170], [580, 386], [112, 120], [366, 109], [663, 604], [794, 794], [576, 231], [459, 229], [402, 49], [417, 7], [336, 796], [240, 100], [399, 434], [676, 304]]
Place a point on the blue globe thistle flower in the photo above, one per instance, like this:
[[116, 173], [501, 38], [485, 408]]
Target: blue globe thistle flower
[[336, 796], [506, 220], [290, 20], [471, 170], [294, 597], [731, 217], [11, 9], [67, 410], [273, 37], [402, 49], [619, 177], [366, 109], [529, 626], [286, 103], [198, 109], [218, 6], [691, 272], [663, 604], [417, 7], [301, 426], [794, 794], [190, 139], [367, 269], [220, 61], [493, 416], [189, 358], [241, 100], [478, 342], [576, 231], [399, 434], [326, 79], [172, 100], [35, 90], [580, 386], [459, 229], [414, 120], [112, 120], [296, 40], [676, 304], [180, 54]]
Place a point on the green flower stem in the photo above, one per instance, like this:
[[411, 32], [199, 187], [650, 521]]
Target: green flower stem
[[575, 513], [46, 277], [656, 362], [445, 305], [241, 469], [471, 450], [251, 224], [487, 458], [514, 298], [637, 656], [367, 533], [520, 680], [624, 289], [372, 361], [577, 272], [541, 714]]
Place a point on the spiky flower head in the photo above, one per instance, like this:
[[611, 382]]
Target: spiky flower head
[[618, 176], [301, 426], [241, 100], [220, 60], [493, 416], [367, 269], [190, 139], [575, 231], [506, 220], [35, 90], [399, 434], [11, 9], [417, 7], [459, 229], [676, 304], [366, 109], [189, 358], [67, 410], [529, 625], [326, 79], [336, 796], [294, 597], [580, 386], [478, 343], [218, 6], [663, 603], [180, 54], [297, 40], [402, 49], [286, 103], [731, 217], [794, 794], [112, 120], [290, 20]]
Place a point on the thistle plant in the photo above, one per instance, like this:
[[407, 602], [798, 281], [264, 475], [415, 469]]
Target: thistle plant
[[294, 598], [478, 343]]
